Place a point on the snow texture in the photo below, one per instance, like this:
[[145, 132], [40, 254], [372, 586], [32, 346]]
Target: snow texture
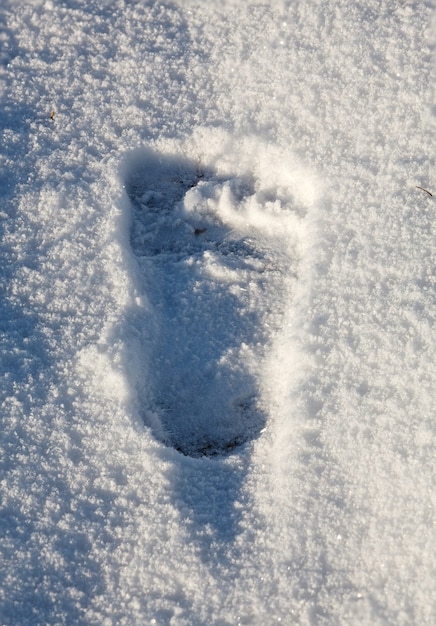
[[217, 337]]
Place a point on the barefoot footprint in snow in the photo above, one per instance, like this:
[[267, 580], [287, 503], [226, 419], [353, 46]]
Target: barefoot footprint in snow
[[215, 254]]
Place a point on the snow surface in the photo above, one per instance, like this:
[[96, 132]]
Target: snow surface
[[217, 313]]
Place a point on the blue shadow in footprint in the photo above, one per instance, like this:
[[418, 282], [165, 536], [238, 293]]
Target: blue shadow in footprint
[[202, 396]]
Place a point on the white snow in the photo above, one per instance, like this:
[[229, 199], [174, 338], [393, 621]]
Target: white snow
[[217, 312]]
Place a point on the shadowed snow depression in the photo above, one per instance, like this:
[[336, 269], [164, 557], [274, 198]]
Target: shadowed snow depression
[[217, 258]]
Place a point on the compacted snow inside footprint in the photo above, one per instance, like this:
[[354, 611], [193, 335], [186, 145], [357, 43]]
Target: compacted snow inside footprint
[[215, 253]]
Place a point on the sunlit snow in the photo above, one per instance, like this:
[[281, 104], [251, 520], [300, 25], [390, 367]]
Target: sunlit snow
[[217, 312]]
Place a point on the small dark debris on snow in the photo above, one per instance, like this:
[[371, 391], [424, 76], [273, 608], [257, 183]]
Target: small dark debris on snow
[[422, 189]]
